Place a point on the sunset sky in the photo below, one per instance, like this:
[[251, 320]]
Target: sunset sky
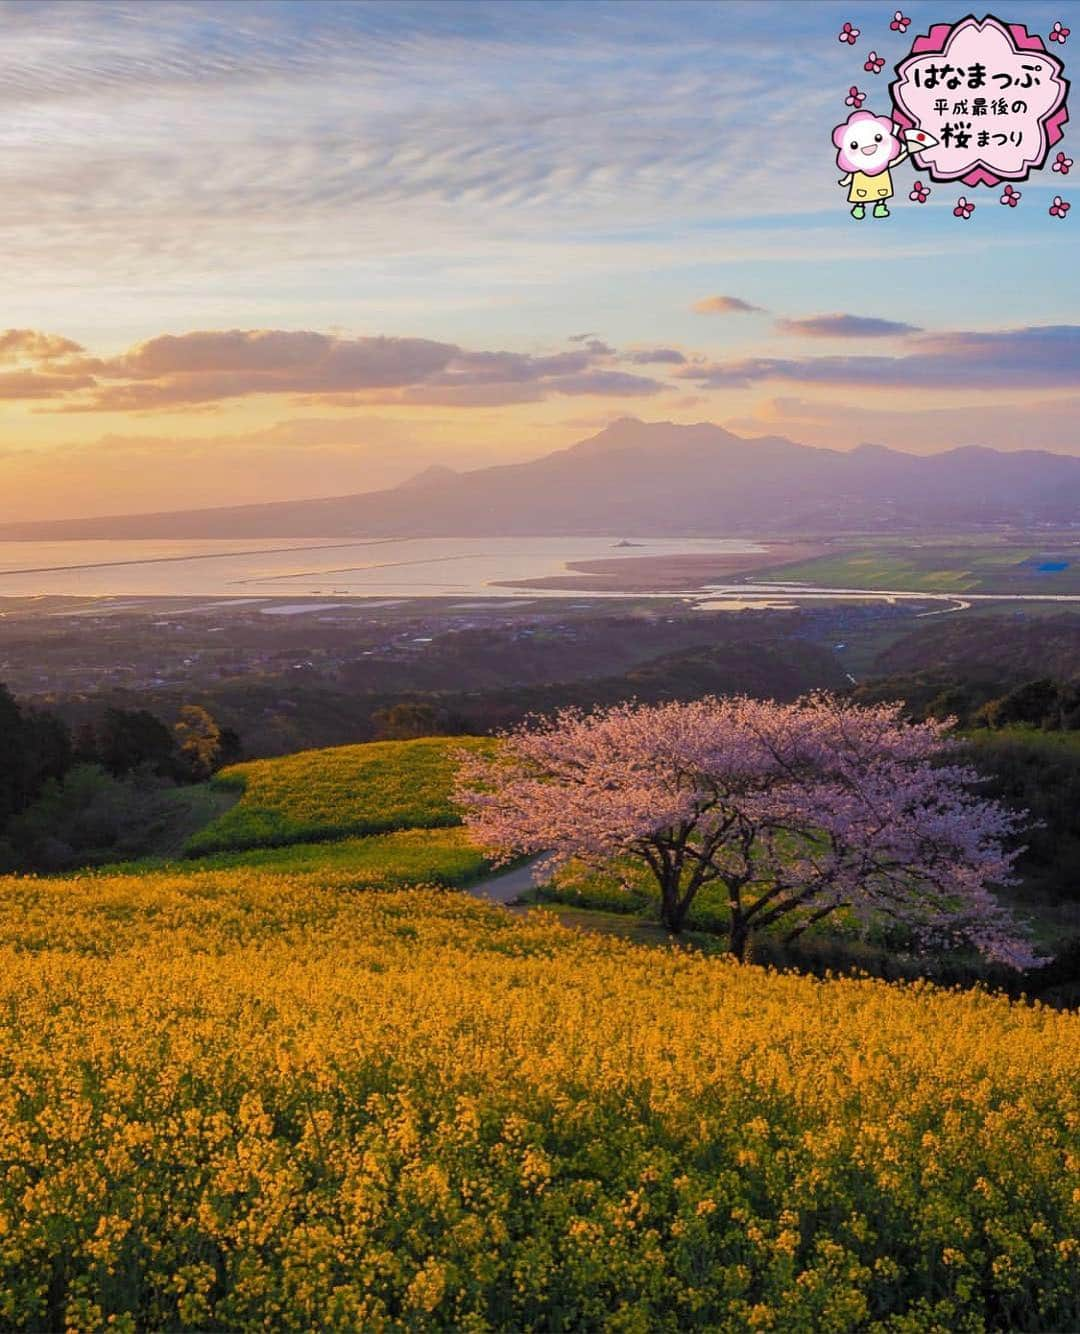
[[256, 251]]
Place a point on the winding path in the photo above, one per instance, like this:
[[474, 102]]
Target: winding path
[[505, 887]]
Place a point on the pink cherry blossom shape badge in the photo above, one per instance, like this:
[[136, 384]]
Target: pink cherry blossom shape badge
[[899, 22], [854, 98], [874, 63], [1011, 197], [848, 34], [1058, 33], [1062, 163], [991, 95], [919, 193], [964, 208], [1059, 208]]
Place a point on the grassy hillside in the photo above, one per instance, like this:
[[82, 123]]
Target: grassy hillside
[[407, 857], [324, 794], [236, 1100]]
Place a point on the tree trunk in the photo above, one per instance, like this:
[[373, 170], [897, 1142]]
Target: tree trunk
[[672, 911], [739, 939]]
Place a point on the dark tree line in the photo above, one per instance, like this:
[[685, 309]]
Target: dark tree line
[[37, 747], [34, 746]]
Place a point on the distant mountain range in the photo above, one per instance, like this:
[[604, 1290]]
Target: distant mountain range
[[651, 479]]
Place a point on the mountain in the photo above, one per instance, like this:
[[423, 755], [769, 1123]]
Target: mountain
[[654, 478]]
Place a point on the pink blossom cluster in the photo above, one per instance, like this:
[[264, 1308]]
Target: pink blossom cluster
[[795, 809]]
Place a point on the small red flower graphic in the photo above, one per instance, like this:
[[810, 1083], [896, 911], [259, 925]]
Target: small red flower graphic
[[1011, 197], [849, 34], [1062, 163], [1059, 33], [854, 98], [919, 193], [874, 63], [899, 22], [1059, 208], [964, 208]]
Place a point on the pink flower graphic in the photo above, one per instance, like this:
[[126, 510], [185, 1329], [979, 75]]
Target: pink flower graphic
[[1011, 197], [1059, 34], [899, 22], [854, 98], [919, 193], [1062, 164], [1059, 208], [849, 34], [874, 63], [964, 208]]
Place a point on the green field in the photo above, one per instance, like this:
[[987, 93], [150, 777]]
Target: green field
[[330, 794], [944, 568], [406, 857]]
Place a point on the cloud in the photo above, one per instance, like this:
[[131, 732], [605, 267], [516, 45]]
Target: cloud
[[32, 345], [659, 356], [274, 360], [374, 129], [723, 305], [16, 385], [466, 392], [607, 382], [846, 326], [1045, 356], [206, 367]]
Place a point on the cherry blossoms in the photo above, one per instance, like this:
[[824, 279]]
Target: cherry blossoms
[[795, 810]]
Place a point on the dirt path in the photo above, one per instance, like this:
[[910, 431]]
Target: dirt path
[[505, 887]]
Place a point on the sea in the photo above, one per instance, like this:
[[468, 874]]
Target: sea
[[356, 567]]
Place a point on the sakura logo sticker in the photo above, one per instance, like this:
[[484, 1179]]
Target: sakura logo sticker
[[990, 96]]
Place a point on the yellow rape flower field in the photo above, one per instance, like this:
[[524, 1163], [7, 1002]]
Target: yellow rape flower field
[[244, 1100]]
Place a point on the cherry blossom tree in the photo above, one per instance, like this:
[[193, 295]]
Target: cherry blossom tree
[[794, 810]]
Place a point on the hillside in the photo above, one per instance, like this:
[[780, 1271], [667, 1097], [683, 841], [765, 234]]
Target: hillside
[[1005, 647], [279, 1086], [240, 1100], [653, 478], [329, 794]]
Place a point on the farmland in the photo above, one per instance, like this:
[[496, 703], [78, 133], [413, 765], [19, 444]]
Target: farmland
[[940, 568]]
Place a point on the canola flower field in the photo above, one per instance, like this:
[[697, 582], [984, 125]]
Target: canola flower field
[[241, 1099], [371, 788]]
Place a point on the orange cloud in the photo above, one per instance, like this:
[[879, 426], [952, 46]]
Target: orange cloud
[[723, 305], [27, 384], [35, 346]]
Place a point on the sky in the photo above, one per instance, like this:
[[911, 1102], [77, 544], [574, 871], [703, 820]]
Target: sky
[[273, 250]]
